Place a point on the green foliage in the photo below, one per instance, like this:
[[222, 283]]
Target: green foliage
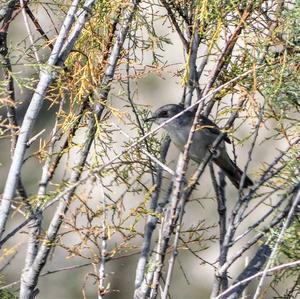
[[290, 248], [5, 294], [281, 84], [289, 251]]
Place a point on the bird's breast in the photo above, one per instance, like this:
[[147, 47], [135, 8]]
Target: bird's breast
[[199, 145]]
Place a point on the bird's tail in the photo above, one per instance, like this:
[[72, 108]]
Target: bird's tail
[[233, 172]]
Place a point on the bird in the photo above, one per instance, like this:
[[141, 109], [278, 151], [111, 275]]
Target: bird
[[205, 134]]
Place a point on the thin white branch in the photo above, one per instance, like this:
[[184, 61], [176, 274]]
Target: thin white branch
[[277, 268], [34, 138], [46, 77], [101, 287], [277, 244], [162, 165], [30, 278], [35, 51], [174, 254]]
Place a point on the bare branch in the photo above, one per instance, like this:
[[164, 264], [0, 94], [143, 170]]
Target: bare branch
[[175, 24], [30, 278], [278, 243], [256, 263], [46, 77], [277, 268], [35, 51]]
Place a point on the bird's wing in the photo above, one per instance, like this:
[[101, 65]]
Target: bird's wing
[[206, 123]]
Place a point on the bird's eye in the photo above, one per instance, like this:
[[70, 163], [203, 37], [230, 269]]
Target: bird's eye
[[163, 113]]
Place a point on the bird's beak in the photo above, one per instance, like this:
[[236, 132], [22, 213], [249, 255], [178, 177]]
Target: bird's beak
[[149, 119]]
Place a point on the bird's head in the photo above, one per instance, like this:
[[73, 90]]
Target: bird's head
[[166, 112]]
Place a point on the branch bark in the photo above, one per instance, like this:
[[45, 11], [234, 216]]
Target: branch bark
[[46, 77], [30, 277]]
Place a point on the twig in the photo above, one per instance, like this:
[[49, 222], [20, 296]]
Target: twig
[[151, 157], [9, 94], [277, 268], [46, 77], [225, 54], [7, 263], [220, 281], [277, 244], [174, 250], [35, 137], [256, 238], [232, 223], [259, 221], [35, 51], [137, 117], [193, 83], [30, 278], [10, 91], [165, 232], [49, 272], [175, 24], [252, 268], [151, 223], [38, 26], [101, 288], [257, 127]]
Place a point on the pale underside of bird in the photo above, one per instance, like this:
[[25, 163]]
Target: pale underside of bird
[[205, 134]]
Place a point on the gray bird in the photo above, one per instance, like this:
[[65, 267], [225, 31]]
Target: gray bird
[[205, 135]]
